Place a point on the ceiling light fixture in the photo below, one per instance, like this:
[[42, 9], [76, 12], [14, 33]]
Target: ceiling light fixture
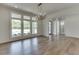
[[41, 14]]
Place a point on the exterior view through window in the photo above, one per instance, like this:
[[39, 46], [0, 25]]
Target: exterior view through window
[[34, 27], [16, 27], [16, 24], [23, 25], [26, 27]]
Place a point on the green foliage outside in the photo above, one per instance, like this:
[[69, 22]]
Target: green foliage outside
[[16, 24]]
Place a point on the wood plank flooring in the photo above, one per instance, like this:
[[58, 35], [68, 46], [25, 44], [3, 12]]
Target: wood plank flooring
[[42, 46]]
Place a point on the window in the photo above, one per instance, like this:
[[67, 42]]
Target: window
[[15, 15], [26, 27], [23, 25], [16, 24], [50, 27], [34, 18], [16, 27], [26, 17], [34, 27]]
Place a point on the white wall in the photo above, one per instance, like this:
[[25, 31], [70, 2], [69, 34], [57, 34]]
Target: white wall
[[71, 23], [40, 27], [4, 25], [45, 27], [72, 26], [71, 17]]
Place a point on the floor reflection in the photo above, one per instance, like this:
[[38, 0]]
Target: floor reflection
[[42, 46], [24, 47]]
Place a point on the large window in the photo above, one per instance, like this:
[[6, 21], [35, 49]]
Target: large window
[[16, 27], [26, 27], [23, 25], [15, 15], [16, 24], [34, 25], [26, 17]]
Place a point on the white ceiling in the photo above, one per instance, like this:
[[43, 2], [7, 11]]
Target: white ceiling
[[47, 7]]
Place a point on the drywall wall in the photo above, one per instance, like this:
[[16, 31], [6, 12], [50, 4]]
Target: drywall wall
[[72, 26], [4, 25], [71, 17], [39, 28], [45, 27]]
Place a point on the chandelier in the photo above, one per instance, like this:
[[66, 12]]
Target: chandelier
[[41, 14]]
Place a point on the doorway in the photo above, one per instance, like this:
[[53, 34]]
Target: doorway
[[58, 26], [50, 27]]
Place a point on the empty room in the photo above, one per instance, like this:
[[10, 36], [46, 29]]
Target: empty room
[[39, 28]]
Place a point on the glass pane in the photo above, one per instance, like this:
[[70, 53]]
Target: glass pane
[[26, 17], [16, 27], [34, 27], [34, 18], [26, 27], [14, 15], [50, 28]]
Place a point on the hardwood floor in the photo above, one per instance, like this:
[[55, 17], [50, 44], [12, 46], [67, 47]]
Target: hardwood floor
[[42, 46]]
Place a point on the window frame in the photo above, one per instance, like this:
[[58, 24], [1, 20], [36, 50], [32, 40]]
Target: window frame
[[32, 28], [15, 18], [22, 25], [12, 28]]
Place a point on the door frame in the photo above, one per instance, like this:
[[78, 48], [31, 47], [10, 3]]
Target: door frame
[[51, 27]]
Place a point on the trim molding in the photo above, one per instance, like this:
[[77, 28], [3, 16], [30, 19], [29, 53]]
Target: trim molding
[[22, 39]]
